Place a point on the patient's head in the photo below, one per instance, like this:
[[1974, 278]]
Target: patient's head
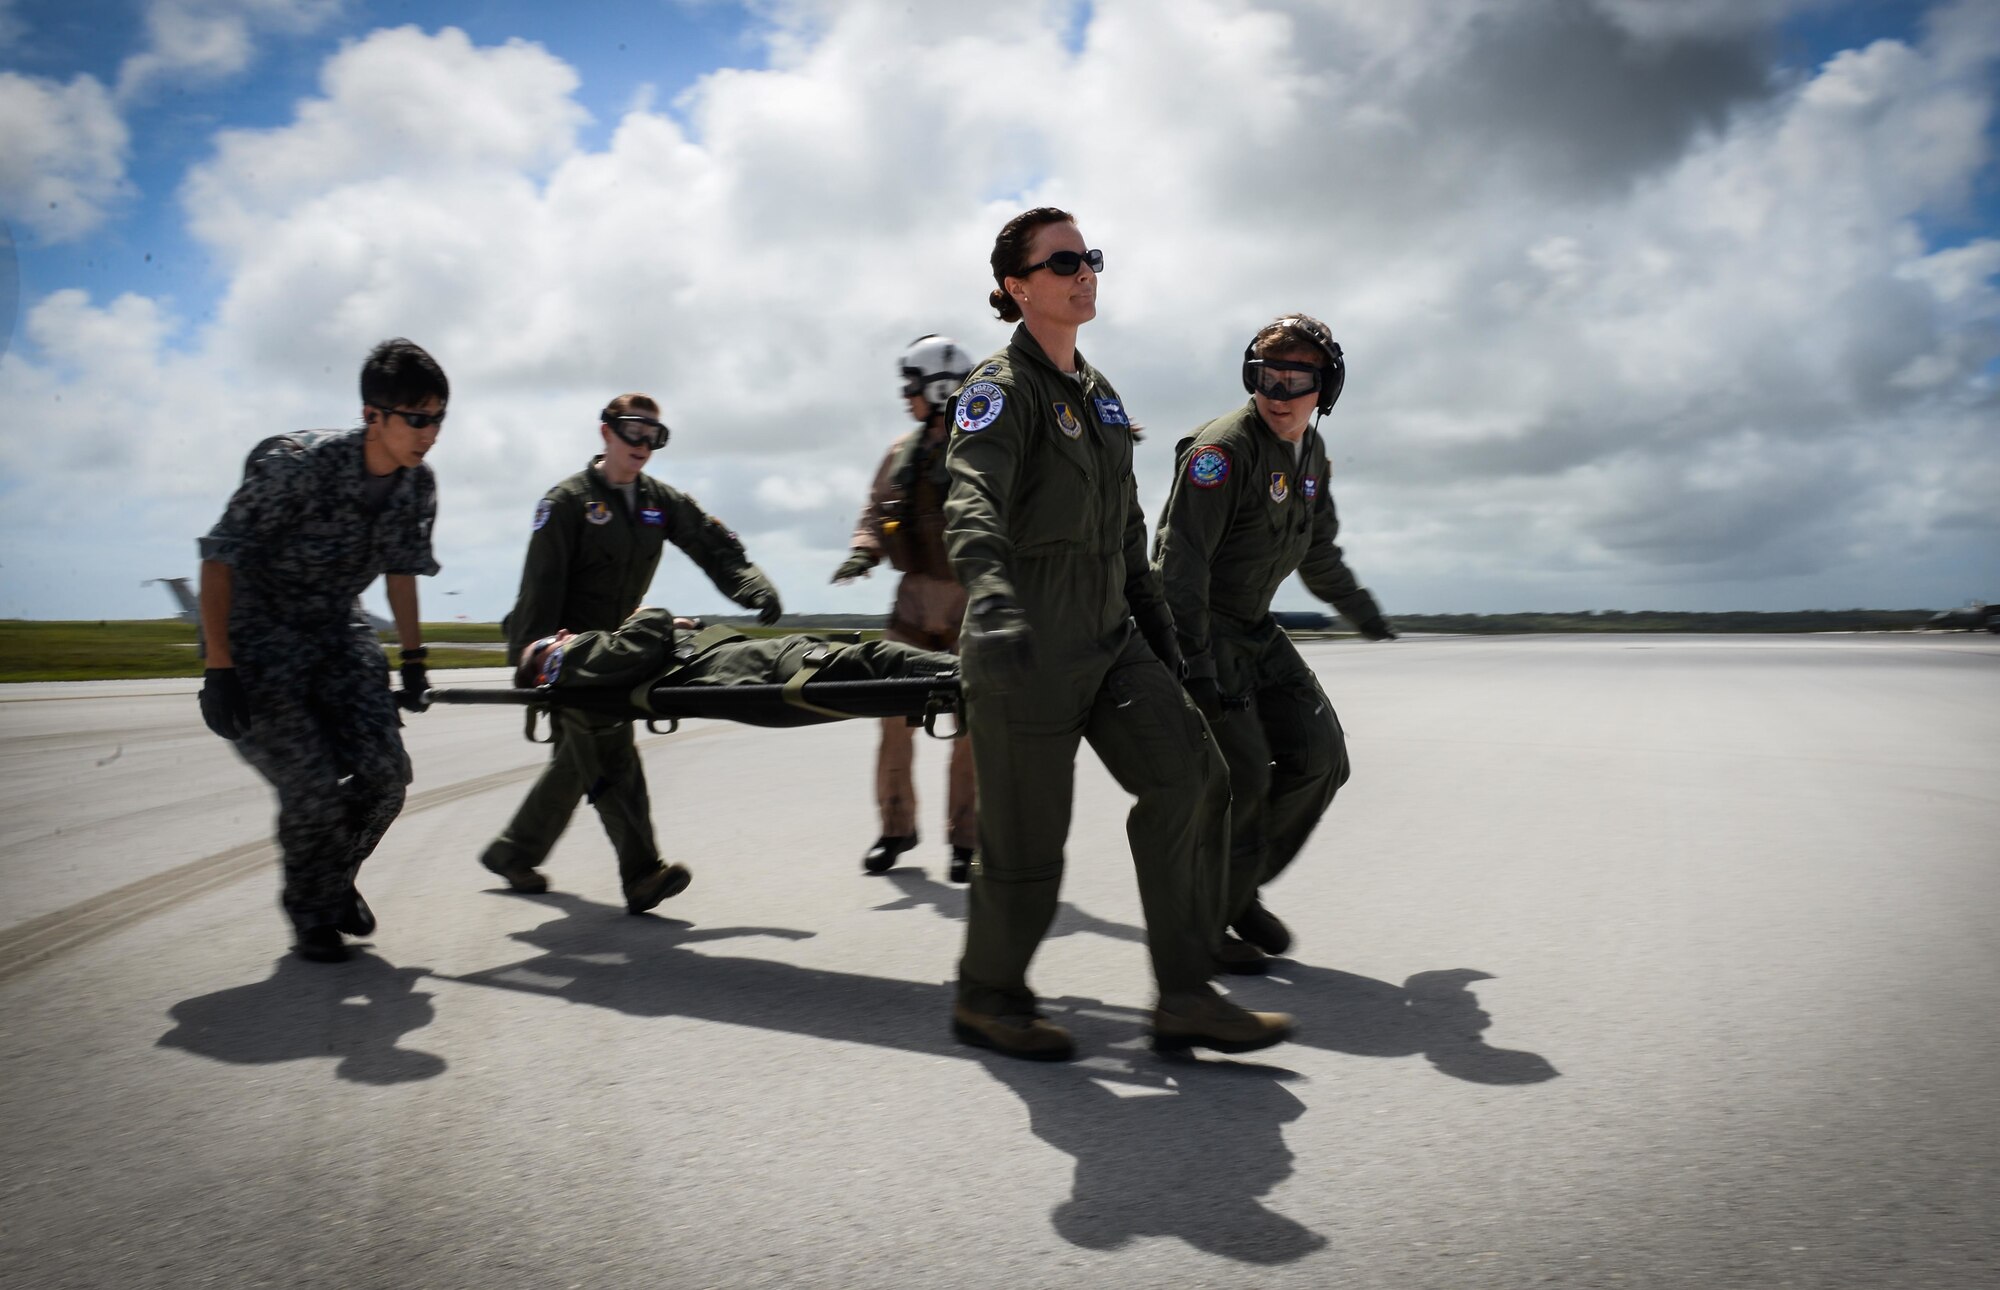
[[541, 662]]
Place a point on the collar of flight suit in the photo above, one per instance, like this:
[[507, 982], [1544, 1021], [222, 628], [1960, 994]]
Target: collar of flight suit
[[643, 486], [1086, 375], [1308, 442]]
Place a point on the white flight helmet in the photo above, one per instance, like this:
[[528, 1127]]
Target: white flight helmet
[[933, 366]]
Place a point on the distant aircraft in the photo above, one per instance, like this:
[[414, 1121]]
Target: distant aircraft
[[1303, 620], [191, 610], [1971, 618]]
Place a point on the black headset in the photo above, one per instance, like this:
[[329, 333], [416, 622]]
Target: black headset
[[1335, 373]]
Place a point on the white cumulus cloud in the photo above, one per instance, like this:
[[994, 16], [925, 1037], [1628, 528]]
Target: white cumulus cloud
[[211, 39], [62, 154], [1634, 315]]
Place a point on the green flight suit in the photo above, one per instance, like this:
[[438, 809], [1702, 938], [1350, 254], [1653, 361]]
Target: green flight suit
[[590, 559], [1043, 508], [1244, 514]]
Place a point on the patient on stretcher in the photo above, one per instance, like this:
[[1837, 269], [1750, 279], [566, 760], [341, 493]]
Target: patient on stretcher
[[654, 648]]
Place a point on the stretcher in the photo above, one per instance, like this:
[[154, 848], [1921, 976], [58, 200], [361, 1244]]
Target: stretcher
[[921, 701]]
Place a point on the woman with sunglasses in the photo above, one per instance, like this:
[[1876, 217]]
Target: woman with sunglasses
[[1043, 524], [1250, 506], [594, 544], [292, 677]]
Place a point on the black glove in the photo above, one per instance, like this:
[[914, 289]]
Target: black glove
[[1376, 628], [416, 681], [1003, 641], [766, 604], [1207, 696], [225, 707], [857, 565]]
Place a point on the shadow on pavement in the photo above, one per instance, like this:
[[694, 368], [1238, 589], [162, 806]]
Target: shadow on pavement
[[1432, 1013], [1163, 1148], [920, 891], [1188, 1160], [355, 1011]]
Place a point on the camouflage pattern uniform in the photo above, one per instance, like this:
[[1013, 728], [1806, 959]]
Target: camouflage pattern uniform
[[301, 544], [1244, 514], [590, 558], [904, 521]]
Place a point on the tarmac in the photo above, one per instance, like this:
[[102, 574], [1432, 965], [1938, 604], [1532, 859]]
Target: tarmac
[[1621, 961]]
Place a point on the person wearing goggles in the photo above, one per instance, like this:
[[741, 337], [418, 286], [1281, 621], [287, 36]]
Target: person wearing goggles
[[904, 523], [593, 547], [1068, 639], [291, 679], [1250, 505]]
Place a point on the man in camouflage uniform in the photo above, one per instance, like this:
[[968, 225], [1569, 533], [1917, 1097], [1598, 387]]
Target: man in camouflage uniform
[[1250, 506], [904, 521], [292, 677], [595, 544]]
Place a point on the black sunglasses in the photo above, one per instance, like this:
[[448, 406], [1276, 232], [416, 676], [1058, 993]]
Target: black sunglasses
[[416, 420], [656, 440], [1064, 264]]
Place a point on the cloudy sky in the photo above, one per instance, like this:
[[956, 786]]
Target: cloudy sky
[[1647, 305]]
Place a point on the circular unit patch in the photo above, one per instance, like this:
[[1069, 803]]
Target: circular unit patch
[[980, 406], [1208, 467]]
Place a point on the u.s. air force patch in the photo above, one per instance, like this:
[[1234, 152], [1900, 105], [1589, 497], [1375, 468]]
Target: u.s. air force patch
[[1208, 467], [1280, 487], [542, 509], [597, 512], [1066, 420], [979, 406]]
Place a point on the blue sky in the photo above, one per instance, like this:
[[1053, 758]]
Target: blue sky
[[1682, 307]]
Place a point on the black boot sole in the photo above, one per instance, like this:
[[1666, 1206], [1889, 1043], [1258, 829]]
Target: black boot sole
[[1181, 1043]]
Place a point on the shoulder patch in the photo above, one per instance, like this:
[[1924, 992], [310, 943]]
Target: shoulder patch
[[991, 369], [1208, 467], [596, 512], [551, 669], [980, 406], [542, 509]]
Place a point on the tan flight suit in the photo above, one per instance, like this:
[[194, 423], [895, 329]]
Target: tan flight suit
[[907, 501], [1043, 509]]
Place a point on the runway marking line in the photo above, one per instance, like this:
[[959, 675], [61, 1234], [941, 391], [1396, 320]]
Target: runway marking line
[[40, 939]]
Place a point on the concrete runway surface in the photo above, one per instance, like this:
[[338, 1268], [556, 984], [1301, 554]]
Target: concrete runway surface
[[1622, 961]]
